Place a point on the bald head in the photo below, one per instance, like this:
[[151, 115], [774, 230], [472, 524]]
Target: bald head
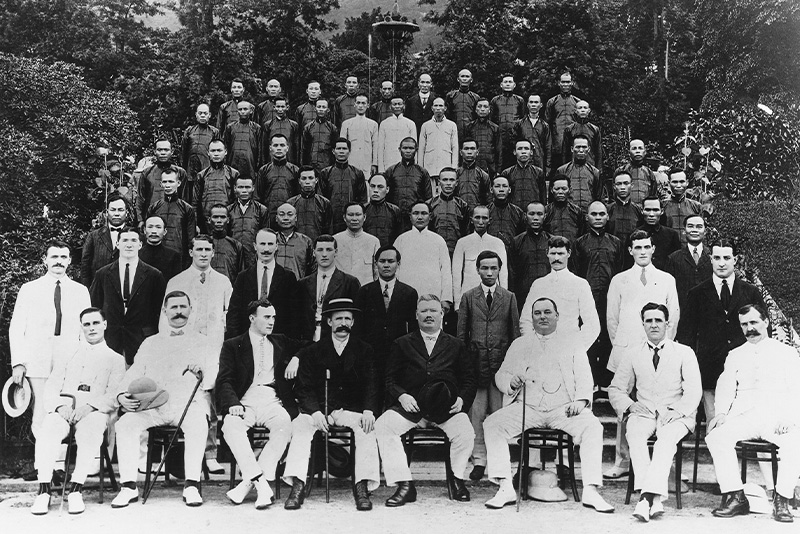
[[286, 216]]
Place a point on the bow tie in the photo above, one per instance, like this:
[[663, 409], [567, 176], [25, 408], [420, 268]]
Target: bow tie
[[430, 338], [176, 333]]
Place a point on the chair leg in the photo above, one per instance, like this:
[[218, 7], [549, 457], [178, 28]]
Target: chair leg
[[744, 464], [774, 466], [103, 454], [206, 474], [150, 445], [696, 457], [678, 469], [312, 465], [631, 483], [232, 481], [571, 460], [448, 470], [523, 468], [561, 446]]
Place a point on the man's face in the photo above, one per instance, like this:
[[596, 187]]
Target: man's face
[[655, 326], [281, 108], [560, 190], [263, 320], [387, 90], [558, 257], [545, 317], [163, 151], [286, 217], [597, 216], [351, 85], [94, 327], [265, 245], [480, 219], [420, 215], [464, 78], [325, 254], [362, 104], [117, 212], [425, 84], [129, 245], [438, 108], [313, 91], [237, 89], [695, 228], [429, 316], [387, 264], [535, 216], [244, 109], [397, 106], [308, 181], [201, 253], [651, 211], [217, 151], [523, 152], [169, 183], [500, 188], [341, 322], [489, 271], [722, 261], [408, 149], [354, 218], [580, 149], [244, 189], [57, 260], [154, 230], [341, 152], [378, 188], [753, 326], [447, 181], [273, 88], [278, 148], [565, 83], [322, 109], [482, 109], [534, 105], [177, 310], [202, 114], [219, 219], [469, 152], [642, 251], [636, 150], [622, 186], [678, 183], [582, 109], [508, 84]]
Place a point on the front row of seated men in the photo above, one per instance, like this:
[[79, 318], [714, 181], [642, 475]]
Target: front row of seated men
[[430, 380]]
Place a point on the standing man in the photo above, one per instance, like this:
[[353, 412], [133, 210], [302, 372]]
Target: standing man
[[129, 292], [526, 179], [266, 109], [488, 320], [472, 182], [466, 274], [344, 365], [408, 182], [154, 253], [227, 113], [277, 180], [665, 240], [438, 142], [196, 140], [295, 249], [584, 177], [460, 103], [178, 216], [341, 183], [691, 265], [282, 124], [506, 220], [643, 180], [558, 113], [344, 107], [246, 217], [419, 107], [677, 208], [307, 111], [624, 216], [449, 213], [488, 138], [528, 252], [555, 373], [430, 378], [363, 136], [251, 389], [228, 256], [215, 184], [562, 216], [356, 247], [319, 138], [243, 139], [45, 327], [383, 109], [383, 219], [391, 132], [666, 379], [582, 126], [507, 109], [756, 396], [100, 247], [535, 130], [314, 213], [150, 190]]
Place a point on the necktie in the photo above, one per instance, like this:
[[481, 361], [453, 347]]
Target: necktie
[[695, 255], [725, 295], [656, 358], [643, 278], [176, 333], [57, 302], [203, 278], [126, 284], [265, 283], [386, 296], [432, 339], [489, 299]]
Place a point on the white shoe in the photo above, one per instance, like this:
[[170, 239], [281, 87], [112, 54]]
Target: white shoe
[[75, 503], [41, 504], [616, 472], [125, 497], [214, 467], [503, 497], [264, 498], [240, 492], [657, 510], [642, 511], [592, 499], [191, 496]]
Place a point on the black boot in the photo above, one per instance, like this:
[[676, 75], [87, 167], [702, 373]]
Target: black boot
[[361, 495], [297, 495], [406, 492], [780, 509], [736, 504], [461, 492]]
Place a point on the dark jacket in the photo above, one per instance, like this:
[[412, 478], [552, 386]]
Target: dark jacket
[[687, 274], [341, 285], [98, 251], [380, 327], [282, 295], [163, 258], [665, 239], [417, 112]]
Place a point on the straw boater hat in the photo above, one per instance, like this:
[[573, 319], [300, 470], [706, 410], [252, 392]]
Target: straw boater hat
[[343, 304], [17, 398], [147, 392]]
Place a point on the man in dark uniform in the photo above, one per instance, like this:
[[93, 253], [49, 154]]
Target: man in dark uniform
[[341, 183], [313, 210], [150, 190], [473, 183], [344, 107], [246, 217], [243, 139], [643, 180], [214, 184], [528, 252], [307, 111], [278, 180], [319, 137], [535, 130], [383, 108], [228, 256], [506, 220], [383, 219], [460, 103], [155, 253], [196, 139], [487, 136], [507, 109], [585, 177], [265, 111], [408, 182], [558, 113], [665, 239], [624, 216], [526, 179], [227, 113], [281, 124]]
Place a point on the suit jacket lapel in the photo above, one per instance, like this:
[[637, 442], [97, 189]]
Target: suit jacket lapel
[[115, 281], [419, 344], [336, 281], [138, 278], [246, 355], [105, 237]]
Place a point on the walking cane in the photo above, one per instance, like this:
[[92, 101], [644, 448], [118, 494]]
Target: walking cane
[[174, 435], [523, 444], [70, 442], [327, 458]]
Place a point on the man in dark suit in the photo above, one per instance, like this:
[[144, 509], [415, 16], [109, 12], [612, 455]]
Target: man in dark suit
[[664, 239], [691, 264], [100, 247], [265, 279], [319, 287], [154, 253], [248, 395], [709, 323], [426, 366], [346, 397], [388, 311], [130, 293], [419, 106]]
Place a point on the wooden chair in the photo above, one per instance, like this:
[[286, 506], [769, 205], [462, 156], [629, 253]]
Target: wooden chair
[[678, 471], [431, 437], [547, 439]]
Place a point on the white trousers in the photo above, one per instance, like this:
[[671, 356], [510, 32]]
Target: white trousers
[[487, 401], [39, 413], [652, 475], [506, 424], [391, 425], [88, 438]]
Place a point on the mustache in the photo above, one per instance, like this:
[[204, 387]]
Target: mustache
[[752, 333], [342, 328], [180, 316]]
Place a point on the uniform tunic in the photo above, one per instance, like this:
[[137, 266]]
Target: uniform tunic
[[319, 138], [313, 214], [355, 253], [506, 110], [289, 129], [584, 127], [243, 140], [228, 256], [213, 185], [472, 185], [179, 222], [409, 183], [305, 113], [490, 144], [676, 211], [565, 219], [528, 258], [507, 220], [527, 184], [277, 181], [227, 114], [341, 184], [537, 132], [383, 220], [380, 111], [449, 219], [244, 224], [344, 108], [559, 113], [150, 190], [586, 185], [295, 253], [195, 147], [461, 108], [643, 181]]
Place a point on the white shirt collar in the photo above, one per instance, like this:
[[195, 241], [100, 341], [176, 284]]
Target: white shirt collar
[[718, 282], [339, 346], [486, 288]]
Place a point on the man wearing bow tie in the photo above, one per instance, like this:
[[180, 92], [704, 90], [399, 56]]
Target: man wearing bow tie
[[100, 247]]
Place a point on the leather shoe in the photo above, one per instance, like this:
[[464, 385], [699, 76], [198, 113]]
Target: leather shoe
[[406, 492], [642, 511], [477, 472], [735, 504], [361, 494], [125, 497], [780, 509], [616, 472], [461, 492], [503, 497], [296, 496], [657, 510]]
